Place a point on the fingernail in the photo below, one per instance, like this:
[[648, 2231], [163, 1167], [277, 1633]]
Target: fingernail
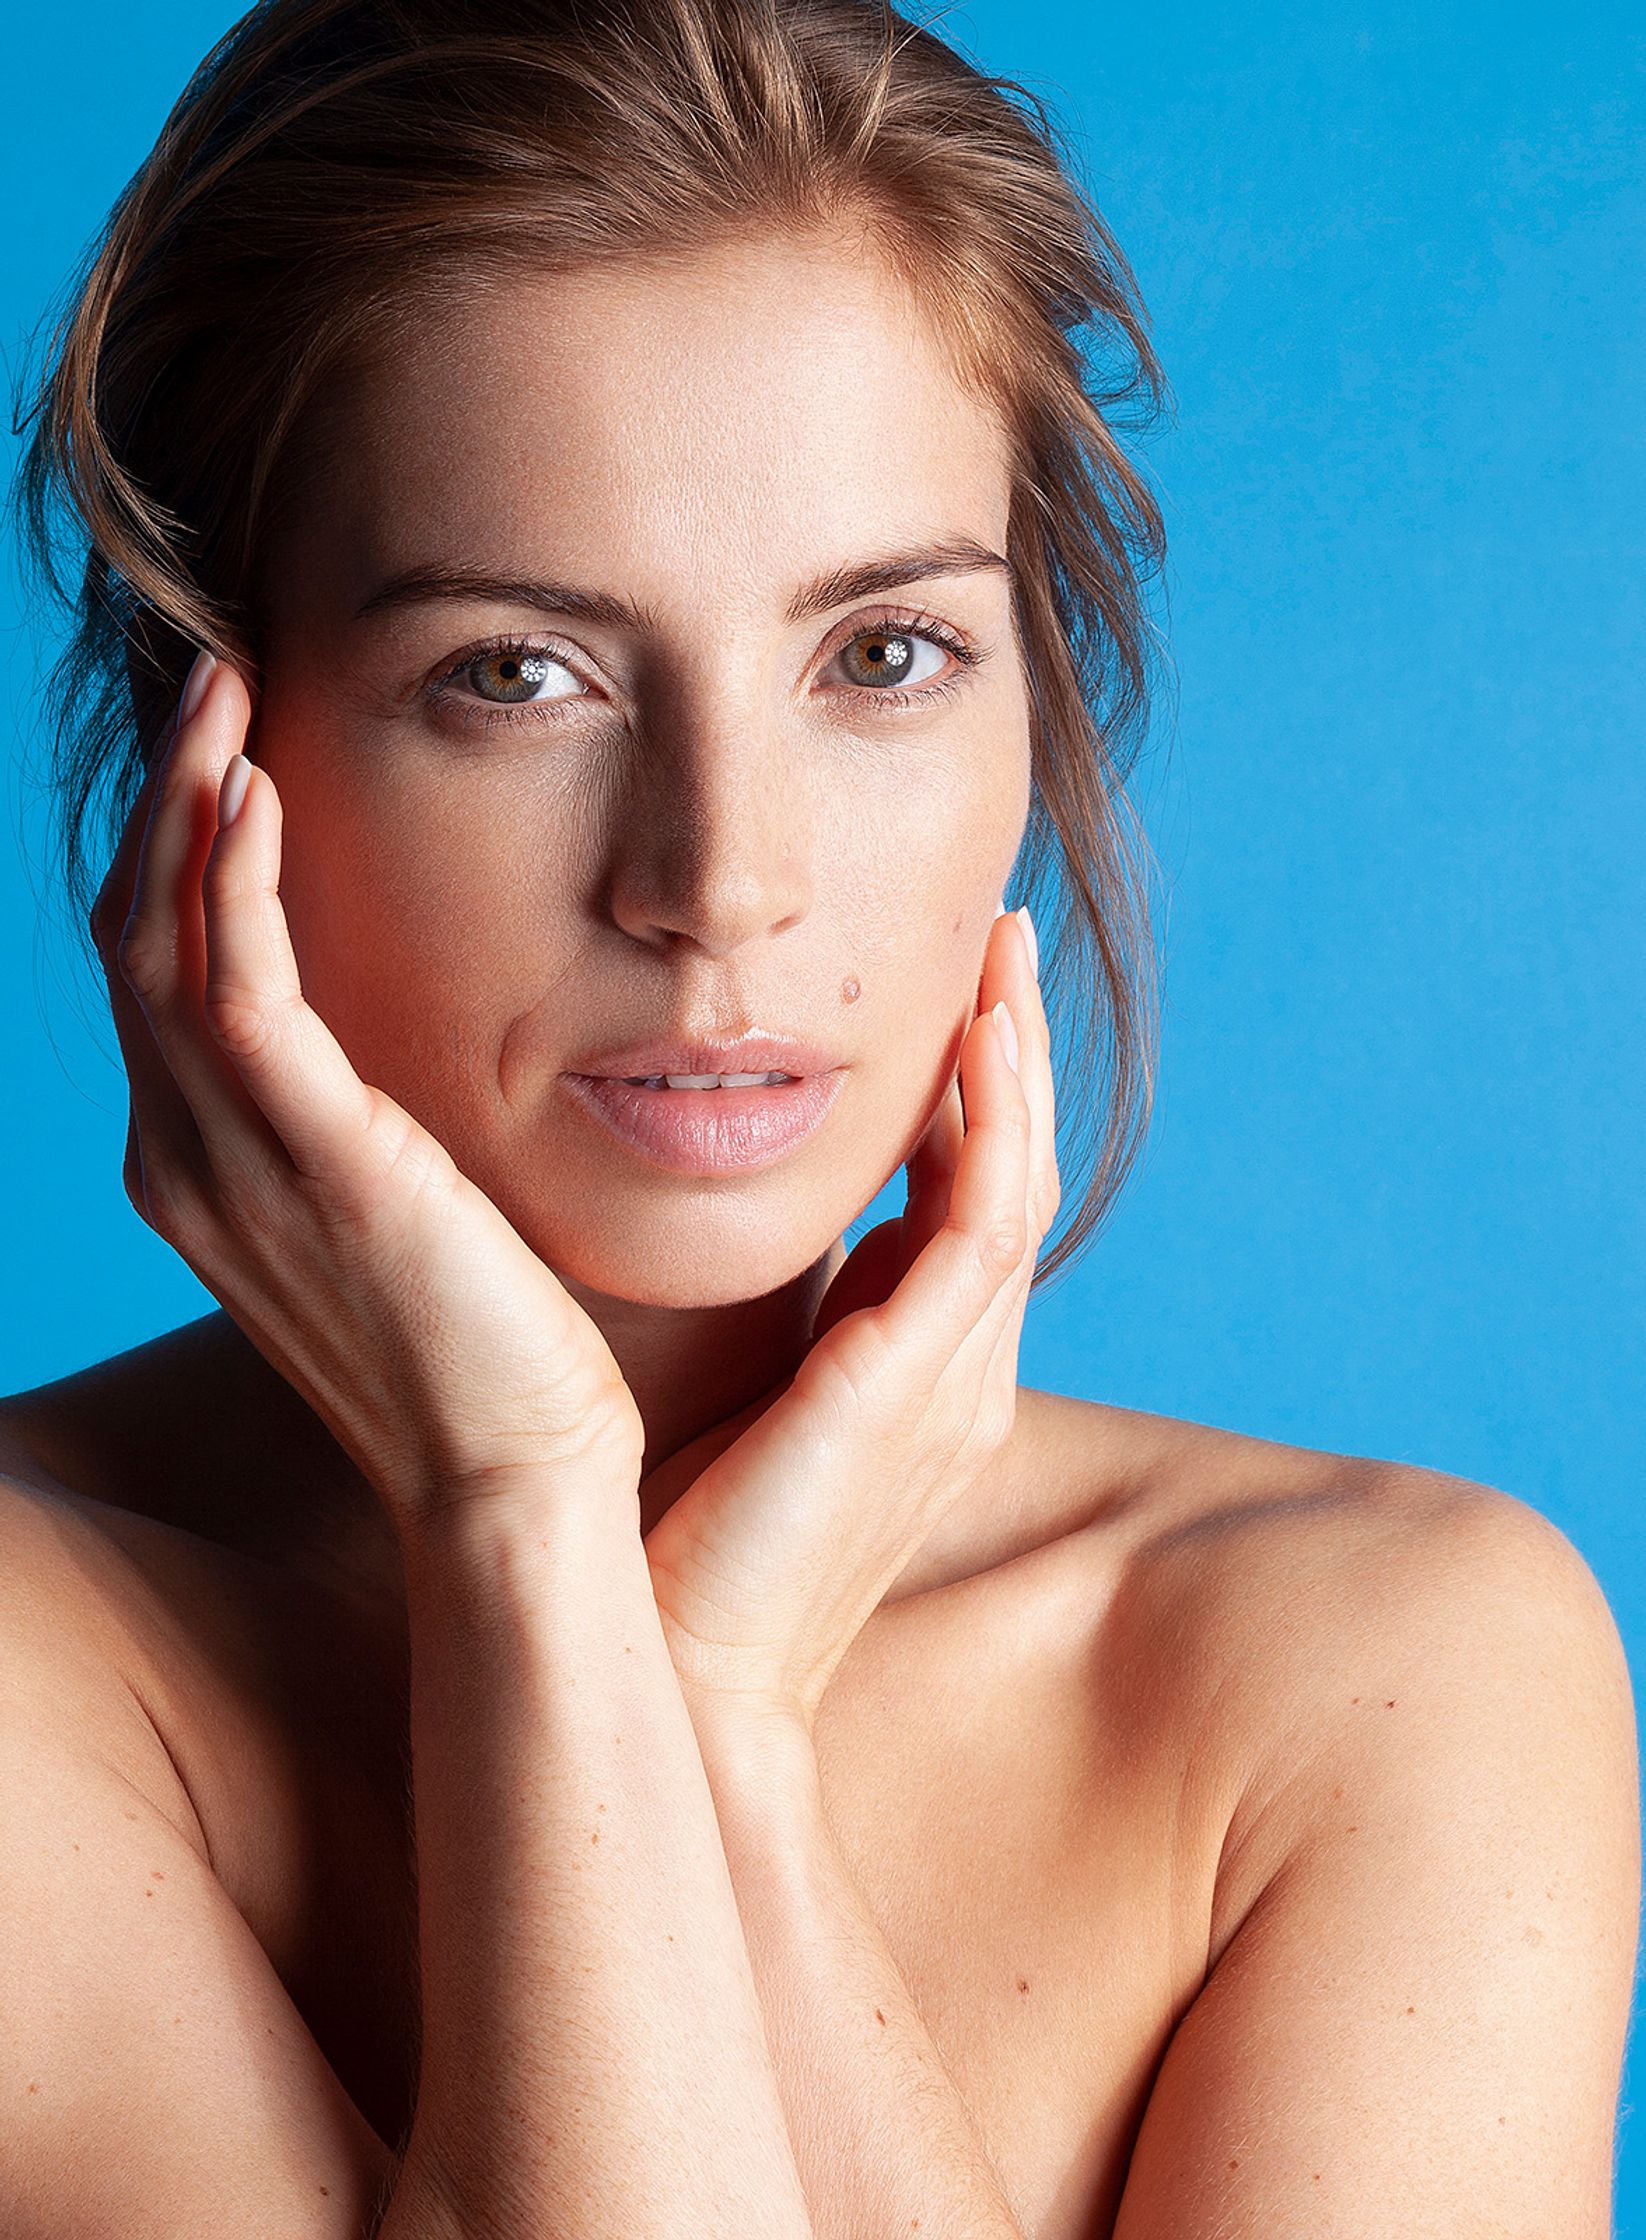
[[1008, 1033], [1000, 907], [236, 778], [1031, 938], [195, 683]]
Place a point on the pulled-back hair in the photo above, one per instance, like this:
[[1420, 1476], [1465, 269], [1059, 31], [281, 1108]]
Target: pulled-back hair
[[335, 167]]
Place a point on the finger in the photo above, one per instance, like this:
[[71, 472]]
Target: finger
[[968, 1266], [159, 1113], [290, 1062], [1010, 975], [153, 1092], [988, 1198], [161, 949], [113, 903], [1022, 992], [931, 1168]]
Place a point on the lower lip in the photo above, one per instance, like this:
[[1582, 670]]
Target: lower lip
[[710, 1131]]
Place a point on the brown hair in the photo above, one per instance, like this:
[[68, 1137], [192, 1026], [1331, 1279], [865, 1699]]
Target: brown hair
[[332, 165]]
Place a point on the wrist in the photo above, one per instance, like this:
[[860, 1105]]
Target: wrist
[[525, 1526], [756, 1751]]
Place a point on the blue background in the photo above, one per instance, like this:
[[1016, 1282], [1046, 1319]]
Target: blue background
[[1393, 1201]]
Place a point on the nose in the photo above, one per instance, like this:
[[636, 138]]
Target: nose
[[712, 841]]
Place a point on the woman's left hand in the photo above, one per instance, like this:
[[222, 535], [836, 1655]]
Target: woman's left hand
[[767, 1567]]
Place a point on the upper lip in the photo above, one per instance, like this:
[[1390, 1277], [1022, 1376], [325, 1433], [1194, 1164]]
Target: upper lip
[[752, 1052]]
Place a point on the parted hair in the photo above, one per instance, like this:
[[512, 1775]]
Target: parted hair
[[336, 167]]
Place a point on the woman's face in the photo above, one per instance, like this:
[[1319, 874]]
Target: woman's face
[[701, 817]]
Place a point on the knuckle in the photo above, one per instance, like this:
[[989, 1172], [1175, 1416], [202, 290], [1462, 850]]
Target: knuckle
[[227, 883], [417, 1163], [240, 1020], [100, 922], [1001, 1244], [141, 959]]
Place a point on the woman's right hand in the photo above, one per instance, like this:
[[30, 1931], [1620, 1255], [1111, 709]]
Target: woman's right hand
[[445, 1357]]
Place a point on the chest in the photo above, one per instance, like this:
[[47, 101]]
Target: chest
[[1009, 1792]]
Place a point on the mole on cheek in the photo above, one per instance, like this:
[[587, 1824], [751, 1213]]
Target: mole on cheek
[[850, 992]]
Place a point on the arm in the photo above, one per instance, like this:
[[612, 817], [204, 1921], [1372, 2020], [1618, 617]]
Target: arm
[[1416, 2031], [770, 1562], [885, 2143], [592, 2055], [156, 2081], [594, 2065]]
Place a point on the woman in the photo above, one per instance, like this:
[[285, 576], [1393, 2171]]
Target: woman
[[571, 1705]]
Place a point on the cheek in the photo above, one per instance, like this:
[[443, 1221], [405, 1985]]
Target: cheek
[[943, 861], [919, 981], [417, 940]]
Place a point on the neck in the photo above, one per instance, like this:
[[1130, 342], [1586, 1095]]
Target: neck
[[693, 1369]]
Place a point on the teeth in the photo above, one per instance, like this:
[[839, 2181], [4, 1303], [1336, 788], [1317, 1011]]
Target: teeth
[[705, 1080]]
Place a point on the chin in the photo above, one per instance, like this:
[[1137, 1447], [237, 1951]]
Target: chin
[[688, 1248]]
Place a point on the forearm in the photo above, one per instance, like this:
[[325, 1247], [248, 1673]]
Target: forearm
[[594, 2065], [885, 2143]]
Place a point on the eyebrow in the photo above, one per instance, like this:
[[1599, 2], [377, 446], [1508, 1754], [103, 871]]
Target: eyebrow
[[416, 586]]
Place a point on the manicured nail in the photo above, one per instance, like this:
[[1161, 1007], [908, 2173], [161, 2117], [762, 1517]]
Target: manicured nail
[[194, 685], [1030, 937], [1008, 1033], [236, 778]]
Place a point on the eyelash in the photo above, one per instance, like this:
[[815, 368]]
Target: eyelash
[[483, 714]]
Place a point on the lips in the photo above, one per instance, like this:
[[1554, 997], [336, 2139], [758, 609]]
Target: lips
[[753, 1052], [708, 1131]]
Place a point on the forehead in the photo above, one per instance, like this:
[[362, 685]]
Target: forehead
[[726, 421]]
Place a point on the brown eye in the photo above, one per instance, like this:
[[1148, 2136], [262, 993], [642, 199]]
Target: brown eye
[[511, 673], [885, 657]]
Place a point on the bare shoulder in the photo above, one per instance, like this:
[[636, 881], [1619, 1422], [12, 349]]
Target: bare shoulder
[[171, 2081], [1326, 1619], [1383, 1572], [1408, 1695], [71, 1642], [1297, 1562]]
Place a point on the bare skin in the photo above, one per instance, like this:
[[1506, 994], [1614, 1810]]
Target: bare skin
[[1084, 1736], [1037, 1610]]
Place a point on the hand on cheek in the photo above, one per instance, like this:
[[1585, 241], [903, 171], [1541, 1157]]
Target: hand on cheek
[[770, 1563]]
